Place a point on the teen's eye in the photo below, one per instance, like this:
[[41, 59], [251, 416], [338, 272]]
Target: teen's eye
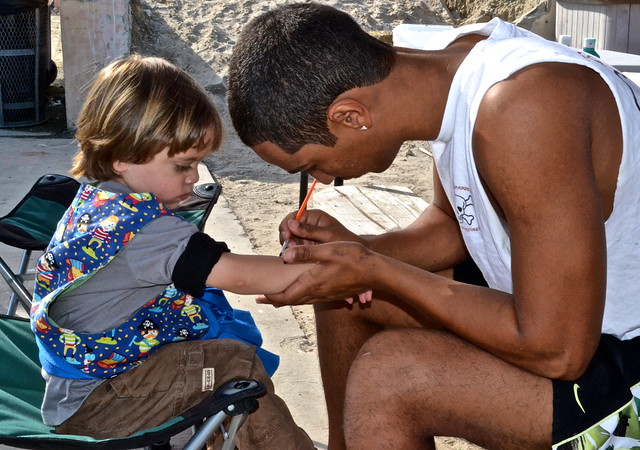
[[181, 168]]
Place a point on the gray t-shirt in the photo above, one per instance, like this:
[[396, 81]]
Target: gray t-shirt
[[140, 272]]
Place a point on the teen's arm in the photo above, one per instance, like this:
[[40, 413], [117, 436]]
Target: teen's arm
[[432, 242]]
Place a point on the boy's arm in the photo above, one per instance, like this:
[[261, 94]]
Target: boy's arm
[[206, 261], [254, 274]]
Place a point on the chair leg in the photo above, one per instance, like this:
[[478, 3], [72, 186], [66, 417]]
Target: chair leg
[[205, 431], [20, 293], [22, 270], [234, 426], [236, 399]]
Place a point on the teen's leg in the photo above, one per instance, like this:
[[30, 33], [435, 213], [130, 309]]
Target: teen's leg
[[408, 385], [342, 331]]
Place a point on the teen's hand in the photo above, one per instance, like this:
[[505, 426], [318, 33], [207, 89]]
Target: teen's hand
[[342, 270], [314, 227]]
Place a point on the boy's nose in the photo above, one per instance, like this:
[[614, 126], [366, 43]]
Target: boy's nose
[[194, 176]]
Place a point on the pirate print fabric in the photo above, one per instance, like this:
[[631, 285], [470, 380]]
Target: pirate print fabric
[[97, 226]]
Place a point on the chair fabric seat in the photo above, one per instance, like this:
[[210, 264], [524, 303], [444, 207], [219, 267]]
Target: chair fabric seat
[[25, 230], [30, 225]]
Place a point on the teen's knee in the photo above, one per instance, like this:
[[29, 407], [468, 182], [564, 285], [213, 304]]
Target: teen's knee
[[375, 367], [380, 395], [391, 361]]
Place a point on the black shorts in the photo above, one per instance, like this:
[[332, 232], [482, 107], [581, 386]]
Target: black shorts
[[599, 410], [589, 411]]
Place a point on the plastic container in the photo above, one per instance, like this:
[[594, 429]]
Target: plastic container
[[25, 61], [417, 36], [589, 46], [565, 39]]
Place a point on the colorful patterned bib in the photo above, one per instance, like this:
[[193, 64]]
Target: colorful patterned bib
[[96, 227]]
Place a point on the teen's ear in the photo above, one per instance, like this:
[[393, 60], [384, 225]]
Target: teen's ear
[[350, 113]]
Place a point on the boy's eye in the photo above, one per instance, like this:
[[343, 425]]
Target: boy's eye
[[181, 168]]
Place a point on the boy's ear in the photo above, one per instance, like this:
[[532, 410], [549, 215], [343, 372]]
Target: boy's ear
[[350, 113], [120, 167]]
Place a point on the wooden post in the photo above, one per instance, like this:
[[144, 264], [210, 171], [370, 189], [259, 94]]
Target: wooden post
[[94, 33]]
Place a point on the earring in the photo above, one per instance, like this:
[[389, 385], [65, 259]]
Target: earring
[[364, 128]]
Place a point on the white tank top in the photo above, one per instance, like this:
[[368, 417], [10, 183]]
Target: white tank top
[[507, 50]]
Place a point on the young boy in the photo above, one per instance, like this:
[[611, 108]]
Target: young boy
[[125, 276]]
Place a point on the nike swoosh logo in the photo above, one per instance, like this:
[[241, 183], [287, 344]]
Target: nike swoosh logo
[[575, 394]]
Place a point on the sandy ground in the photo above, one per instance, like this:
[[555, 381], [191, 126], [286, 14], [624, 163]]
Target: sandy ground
[[198, 36]]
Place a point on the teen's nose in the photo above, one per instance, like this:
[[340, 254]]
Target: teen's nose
[[322, 177]]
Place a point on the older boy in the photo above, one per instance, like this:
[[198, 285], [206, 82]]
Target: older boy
[[535, 148]]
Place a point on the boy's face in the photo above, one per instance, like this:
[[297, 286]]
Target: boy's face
[[170, 179]]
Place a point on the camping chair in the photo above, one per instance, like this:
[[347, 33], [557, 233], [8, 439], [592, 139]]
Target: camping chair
[[30, 226], [32, 223], [22, 390]]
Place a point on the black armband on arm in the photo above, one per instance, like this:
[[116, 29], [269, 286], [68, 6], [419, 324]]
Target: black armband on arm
[[194, 265]]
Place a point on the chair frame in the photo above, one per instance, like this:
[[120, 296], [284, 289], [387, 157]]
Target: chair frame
[[16, 283], [15, 280]]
